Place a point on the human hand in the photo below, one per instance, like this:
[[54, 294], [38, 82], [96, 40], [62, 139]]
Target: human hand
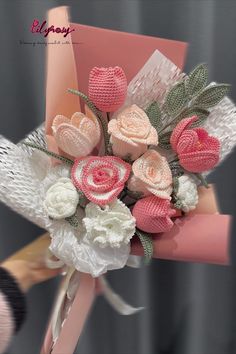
[[28, 264]]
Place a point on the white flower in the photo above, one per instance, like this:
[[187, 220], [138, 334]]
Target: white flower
[[187, 193], [61, 199], [112, 225]]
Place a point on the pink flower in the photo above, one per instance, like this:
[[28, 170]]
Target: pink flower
[[153, 214], [107, 88], [77, 136], [101, 179], [197, 151], [151, 175], [131, 133]]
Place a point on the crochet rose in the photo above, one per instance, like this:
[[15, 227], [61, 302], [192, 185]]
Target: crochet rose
[[101, 179], [197, 151], [76, 136], [153, 215], [61, 199], [131, 133], [107, 88], [112, 225], [151, 175]]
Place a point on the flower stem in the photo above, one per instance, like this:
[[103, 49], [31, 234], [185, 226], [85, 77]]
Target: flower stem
[[50, 153], [98, 114]]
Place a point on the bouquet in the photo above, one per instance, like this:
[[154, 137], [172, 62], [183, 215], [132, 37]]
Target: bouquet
[[130, 162]]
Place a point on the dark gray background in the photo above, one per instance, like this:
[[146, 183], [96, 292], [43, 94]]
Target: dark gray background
[[190, 308]]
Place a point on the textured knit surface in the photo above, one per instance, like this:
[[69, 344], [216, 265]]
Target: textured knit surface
[[77, 136], [153, 214], [197, 151], [6, 323], [107, 88], [131, 133], [14, 296]]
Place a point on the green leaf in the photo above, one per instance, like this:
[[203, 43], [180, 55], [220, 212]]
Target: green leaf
[[195, 111], [196, 80], [164, 141], [146, 241], [175, 98], [175, 185], [212, 95], [154, 114], [73, 221]]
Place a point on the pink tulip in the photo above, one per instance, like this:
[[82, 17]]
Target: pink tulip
[[153, 214], [196, 150], [107, 88]]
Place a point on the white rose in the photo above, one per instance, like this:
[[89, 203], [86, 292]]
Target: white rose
[[111, 226], [187, 193], [61, 199]]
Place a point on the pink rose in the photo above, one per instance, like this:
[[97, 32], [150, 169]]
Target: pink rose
[[153, 214], [101, 179], [107, 88], [197, 151], [77, 136], [151, 175], [131, 133]]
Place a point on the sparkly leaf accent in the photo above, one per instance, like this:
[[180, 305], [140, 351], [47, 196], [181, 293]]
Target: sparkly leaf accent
[[196, 80], [212, 95], [175, 98], [146, 241]]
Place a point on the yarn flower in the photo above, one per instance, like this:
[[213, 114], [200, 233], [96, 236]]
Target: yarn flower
[[112, 225], [107, 88], [197, 151], [153, 215], [151, 175], [131, 133], [101, 179], [61, 199], [76, 136], [187, 194]]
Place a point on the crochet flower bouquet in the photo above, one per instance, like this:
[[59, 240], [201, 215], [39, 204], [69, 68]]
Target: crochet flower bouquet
[[127, 163]]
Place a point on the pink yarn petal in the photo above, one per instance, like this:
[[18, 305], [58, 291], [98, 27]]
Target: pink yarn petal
[[177, 132], [199, 161], [152, 214], [59, 119], [187, 142]]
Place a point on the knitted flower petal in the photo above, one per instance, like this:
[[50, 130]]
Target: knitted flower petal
[[177, 132], [199, 161], [188, 141]]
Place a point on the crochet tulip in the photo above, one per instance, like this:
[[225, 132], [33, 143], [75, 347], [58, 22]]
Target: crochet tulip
[[77, 136], [196, 150], [107, 88], [153, 214]]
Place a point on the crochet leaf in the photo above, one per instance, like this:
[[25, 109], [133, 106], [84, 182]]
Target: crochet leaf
[[196, 80], [164, 141], [212, 95], [195, 111], [154, 114], [175, 99], [146, 241]]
